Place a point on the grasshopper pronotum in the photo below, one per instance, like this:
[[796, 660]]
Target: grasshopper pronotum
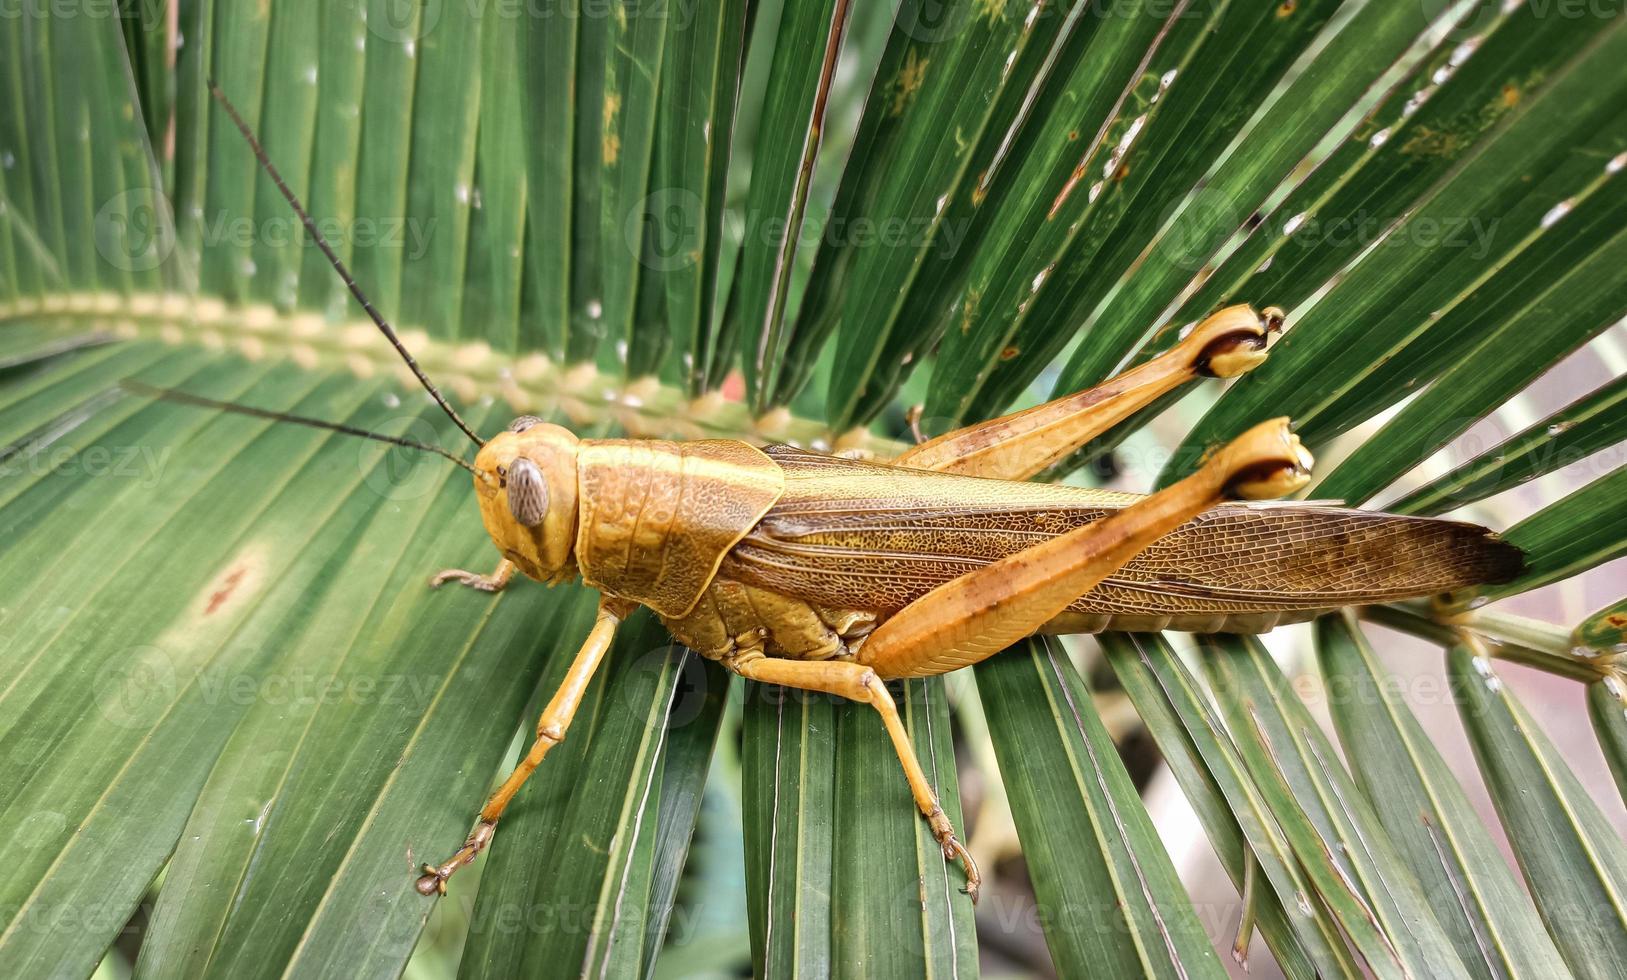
[[836, 575]]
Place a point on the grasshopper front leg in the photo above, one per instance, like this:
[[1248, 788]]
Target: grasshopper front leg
[[1017, 446], [497, 581], [551, 727]]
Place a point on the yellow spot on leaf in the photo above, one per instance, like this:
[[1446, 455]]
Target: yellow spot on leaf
[[611, 144], [968, 310], [908, 81], [1428, 142]]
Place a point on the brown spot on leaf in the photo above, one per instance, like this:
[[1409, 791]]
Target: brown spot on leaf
[[1009, 353], [1286, 7], [218, 598], [238, 578], [1067, 189], [981, 191]]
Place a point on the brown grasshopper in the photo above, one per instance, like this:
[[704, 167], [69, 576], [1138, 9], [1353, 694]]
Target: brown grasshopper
[[836, 575]]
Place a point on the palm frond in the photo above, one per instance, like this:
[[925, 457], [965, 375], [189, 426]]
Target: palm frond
[[234, 719]]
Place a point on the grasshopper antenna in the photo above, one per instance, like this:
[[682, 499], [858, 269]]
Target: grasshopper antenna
[[334, 260], [185, 398]]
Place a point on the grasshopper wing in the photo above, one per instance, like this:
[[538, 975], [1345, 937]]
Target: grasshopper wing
[[848, 534]]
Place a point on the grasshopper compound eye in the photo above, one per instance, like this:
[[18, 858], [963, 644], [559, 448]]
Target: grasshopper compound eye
[[522, 423], [527, 492]]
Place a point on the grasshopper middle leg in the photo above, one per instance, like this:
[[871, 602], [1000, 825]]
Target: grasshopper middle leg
[[556, 718], [859, 683]]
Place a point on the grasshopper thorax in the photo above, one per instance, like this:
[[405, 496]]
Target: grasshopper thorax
[[525, 479]]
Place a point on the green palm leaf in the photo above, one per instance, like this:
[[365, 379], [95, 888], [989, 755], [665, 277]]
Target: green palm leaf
[[233, 718]]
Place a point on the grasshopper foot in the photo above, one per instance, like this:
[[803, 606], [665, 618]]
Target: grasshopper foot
[[1268, 461], [912, 418], [954, 850], [433, 881], [484, 583], [495, 582], [1234, 340]]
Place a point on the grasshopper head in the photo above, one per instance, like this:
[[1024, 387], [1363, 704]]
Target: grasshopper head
[[525, 479]]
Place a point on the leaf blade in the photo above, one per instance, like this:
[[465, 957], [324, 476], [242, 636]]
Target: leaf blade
[[1475, 896], [1567, 851]]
